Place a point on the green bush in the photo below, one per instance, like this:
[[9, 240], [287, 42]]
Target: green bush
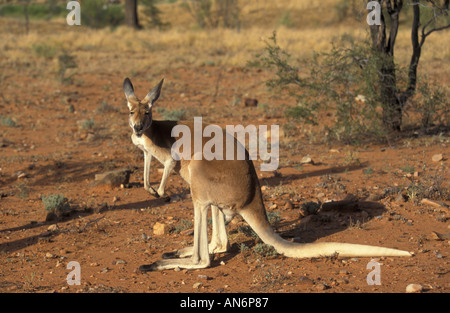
[[56, 204], [44, 50], [7, 121], [100, 14], [34, 10], [344, 84]]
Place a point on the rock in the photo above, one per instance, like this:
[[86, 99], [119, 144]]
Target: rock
[[361, 98], [187, 232], [204, 277], [113, 178], [305, 280], [249, 102], [288, 205], [400, 198], [321, 287], [437, 157], [160, 229], [343, 272], [53, 228], [414, 288], [197, 285], [374, 197], [306, 160]]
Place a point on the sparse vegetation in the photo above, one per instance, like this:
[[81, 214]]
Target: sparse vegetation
[[8, 121], [56, 204], [172, 115]]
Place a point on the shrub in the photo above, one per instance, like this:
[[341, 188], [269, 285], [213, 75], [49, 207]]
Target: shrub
[[344, 83], [44, 50], [100, 14], [56, 204], [7, 121]]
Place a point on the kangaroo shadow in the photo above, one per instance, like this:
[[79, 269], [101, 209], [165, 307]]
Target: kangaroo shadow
[[325, 223]]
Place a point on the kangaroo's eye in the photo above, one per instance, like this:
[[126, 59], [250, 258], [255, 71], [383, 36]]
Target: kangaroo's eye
[[147, 112], [131, 113]]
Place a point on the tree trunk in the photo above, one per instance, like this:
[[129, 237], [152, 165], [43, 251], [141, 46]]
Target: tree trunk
[[391, 102], [131, 16]]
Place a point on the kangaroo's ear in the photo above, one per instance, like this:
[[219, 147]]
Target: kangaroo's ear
[[153, 95], [128, 88]]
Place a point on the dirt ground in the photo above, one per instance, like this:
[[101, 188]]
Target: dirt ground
[[110, 231]]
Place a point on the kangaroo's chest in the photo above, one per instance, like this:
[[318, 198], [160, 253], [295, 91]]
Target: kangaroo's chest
[[145, 144]]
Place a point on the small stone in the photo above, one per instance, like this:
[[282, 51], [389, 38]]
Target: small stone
[[197, 285], [204, 277], [322, 287], [400, 198], [414, 288], [343, 272], [249, 102], [305, 280], [48, 255], [160, 229], [187, 232], [437, 157], [288, 205], [113, 178], [53, 228], [306, 160]]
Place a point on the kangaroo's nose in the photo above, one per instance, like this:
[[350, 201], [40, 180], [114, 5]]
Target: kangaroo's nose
[[138, 127]]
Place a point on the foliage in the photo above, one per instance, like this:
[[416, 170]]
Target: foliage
[[34, 10], [172, 115], [152, 11], [56, 204], [214, 13], [66, 61], [44, 50], [99, 14], [344, 83], [7, 121]]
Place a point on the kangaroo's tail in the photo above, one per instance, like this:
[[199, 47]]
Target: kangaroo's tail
[[312, 250]]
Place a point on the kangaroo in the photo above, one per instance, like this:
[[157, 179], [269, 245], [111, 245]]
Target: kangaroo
[[228, 187]]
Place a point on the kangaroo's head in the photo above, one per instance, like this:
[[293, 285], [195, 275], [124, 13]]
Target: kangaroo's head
[[140, 110]]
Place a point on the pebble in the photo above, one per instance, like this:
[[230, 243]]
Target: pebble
[[288, 205], [321, 287], [53, 228], [160, 229], [414, 288], [205, 277], [305, 280], [197, 285], [437, 157], [306, 160], [343, 272]]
